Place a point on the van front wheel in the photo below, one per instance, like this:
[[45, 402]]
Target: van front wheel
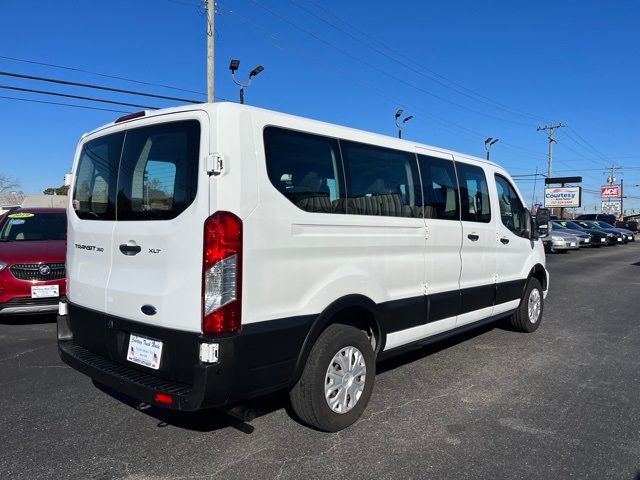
[[337, 381], [529, 313]]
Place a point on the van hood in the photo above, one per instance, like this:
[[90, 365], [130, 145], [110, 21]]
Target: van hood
[[25, 251]]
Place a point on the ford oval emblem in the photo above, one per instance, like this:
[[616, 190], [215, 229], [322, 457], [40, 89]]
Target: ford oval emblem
[[148, 309]]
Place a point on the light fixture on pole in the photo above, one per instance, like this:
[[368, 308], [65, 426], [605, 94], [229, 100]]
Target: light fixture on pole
[[401, 125], [233, 66], [488, 143]]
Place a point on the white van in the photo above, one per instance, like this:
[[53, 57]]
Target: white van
[[220, 252]]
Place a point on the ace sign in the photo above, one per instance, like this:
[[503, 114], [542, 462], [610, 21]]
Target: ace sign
[[610, 191]]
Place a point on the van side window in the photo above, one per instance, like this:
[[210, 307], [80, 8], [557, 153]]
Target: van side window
[[381, 181], [306, 169], [440, 188], [511, 207], [94, 194], [474, 193]]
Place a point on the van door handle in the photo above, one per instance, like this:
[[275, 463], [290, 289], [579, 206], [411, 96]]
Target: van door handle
[[473, 237], [130, 249], [504, 240]]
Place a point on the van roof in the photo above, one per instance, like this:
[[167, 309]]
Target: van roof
[[212, 107]]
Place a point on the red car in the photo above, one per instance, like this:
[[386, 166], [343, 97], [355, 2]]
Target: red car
[[32, 256]]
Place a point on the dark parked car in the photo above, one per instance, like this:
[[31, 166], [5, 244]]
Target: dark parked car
[[598, 237], [628, 234], [627, 225], [608, 218], [616, 237]]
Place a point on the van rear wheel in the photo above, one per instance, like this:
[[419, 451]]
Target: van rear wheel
[[337, 381], [529, 313]]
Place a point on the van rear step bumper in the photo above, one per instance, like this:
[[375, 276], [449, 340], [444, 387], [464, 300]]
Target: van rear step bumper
[[259, 360], [139, 385]]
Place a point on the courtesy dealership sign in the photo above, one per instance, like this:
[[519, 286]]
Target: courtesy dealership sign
[[562, 197]]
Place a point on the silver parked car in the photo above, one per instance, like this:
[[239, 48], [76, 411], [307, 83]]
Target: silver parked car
[[584, 239], [560, 241]]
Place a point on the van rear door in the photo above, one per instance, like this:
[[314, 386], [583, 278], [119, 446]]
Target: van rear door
[[91, 220], [163, 202]]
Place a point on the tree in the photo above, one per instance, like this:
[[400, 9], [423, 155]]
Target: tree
[[8, 184], [56, 191]]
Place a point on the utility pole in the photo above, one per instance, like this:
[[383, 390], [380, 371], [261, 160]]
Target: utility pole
[[611, 180], [622, 198], [551, 129], [211, 12], [533, 195]]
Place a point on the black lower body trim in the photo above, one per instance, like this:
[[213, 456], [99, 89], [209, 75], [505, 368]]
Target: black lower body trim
[[476, 298], [412, 312], [509, 291]]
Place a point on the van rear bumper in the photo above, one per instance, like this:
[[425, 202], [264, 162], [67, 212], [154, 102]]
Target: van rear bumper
[[255, 362], [141, 386]]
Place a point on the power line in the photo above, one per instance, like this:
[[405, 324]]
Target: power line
[[483, 99], [598, 152], [576, 142], [440, 122], [568, 137], [400, 54], [95, 87], [62, 104], [378, 69], [115, 77], [77, 97]]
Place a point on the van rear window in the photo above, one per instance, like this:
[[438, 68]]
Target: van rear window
[[147, 173]]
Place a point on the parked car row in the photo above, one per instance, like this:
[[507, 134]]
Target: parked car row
[[565, 235], [629, 224]]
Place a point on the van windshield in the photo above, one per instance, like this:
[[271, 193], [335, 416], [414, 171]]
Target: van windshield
[[147, 173], [26, 226]]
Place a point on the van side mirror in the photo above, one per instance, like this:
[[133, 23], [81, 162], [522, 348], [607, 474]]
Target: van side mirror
[[543, 221], [526, 220], [68, 178], [543, 218]]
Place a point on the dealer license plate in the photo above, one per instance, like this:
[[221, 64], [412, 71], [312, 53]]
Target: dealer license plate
[[144, 351], [45, 291]]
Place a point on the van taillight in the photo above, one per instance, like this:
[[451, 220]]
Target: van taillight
[[221, 274]]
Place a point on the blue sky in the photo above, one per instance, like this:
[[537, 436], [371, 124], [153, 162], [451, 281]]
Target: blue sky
[[466, 71]]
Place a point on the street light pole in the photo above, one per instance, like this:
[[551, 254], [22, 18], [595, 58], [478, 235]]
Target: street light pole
[[403, 123], [488, 143], [233, 66]]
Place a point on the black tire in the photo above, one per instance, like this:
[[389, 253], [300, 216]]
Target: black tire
[[308, 394], [520, 320]]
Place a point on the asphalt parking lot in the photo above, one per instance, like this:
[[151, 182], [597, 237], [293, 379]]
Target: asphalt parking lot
[[563, 402]]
